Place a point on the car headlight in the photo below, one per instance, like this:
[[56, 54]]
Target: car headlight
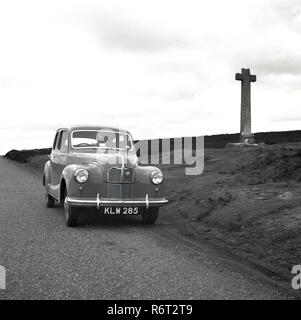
[[157, 177], [81, 175]]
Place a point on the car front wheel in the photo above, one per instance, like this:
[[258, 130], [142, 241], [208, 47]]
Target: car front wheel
[[149, 216], [70, 214], [50, 202]]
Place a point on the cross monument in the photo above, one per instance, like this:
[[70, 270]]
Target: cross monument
[[246, 78]]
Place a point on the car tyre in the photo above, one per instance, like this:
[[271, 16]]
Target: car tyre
[[50, 202], [71, 217], [149, 216], [70, 214]]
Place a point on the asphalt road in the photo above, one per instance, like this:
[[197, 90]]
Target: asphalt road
[[115, 258]]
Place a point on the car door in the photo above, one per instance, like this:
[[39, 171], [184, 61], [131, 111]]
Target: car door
[[62, 153], [59, 158], [54, 164]]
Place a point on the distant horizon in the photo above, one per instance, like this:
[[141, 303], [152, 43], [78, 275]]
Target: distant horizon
[[175, 137]]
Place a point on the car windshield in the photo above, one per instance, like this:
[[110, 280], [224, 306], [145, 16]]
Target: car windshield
[[101, 139]]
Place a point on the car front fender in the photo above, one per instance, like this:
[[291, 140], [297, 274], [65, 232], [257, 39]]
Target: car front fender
[[143, 173], [46, 176], [77, 189], [144, 185]]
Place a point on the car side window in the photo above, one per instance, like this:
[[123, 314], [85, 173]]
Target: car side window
[[55, 141], [59, 141], [64, 142]]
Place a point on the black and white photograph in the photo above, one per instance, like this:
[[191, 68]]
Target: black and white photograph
[[150, 152]]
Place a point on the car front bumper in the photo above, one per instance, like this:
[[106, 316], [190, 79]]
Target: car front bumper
[[107, 202]]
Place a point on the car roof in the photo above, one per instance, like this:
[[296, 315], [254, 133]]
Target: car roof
[[72, 128]]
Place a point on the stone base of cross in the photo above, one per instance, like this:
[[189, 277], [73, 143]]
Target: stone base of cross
[[248, 138]]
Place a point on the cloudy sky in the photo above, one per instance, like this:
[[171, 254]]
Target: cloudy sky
[[158, 68]]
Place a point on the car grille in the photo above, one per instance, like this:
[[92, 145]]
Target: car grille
[[115, 175], [120, 186]]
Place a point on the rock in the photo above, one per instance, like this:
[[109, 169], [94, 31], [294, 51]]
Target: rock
[[223, 197], [286, 195]]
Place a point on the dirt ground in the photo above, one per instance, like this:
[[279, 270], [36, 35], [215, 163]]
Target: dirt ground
[[247, 202]]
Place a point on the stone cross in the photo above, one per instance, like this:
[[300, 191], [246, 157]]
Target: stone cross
[[245, 116]]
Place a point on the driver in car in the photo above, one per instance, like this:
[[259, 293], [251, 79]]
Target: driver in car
[[102, 139]]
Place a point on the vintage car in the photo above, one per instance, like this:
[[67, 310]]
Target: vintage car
[[98, 167]]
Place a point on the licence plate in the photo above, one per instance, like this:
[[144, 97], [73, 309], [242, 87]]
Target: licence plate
[[121, 210]]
